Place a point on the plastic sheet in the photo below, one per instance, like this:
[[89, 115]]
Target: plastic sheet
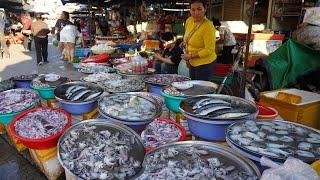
[[292, 169]]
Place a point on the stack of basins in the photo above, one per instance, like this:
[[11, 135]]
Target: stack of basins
[[209, 116], [276, 140], [24, 81], [78, 97], [155, 83], [132, 110]]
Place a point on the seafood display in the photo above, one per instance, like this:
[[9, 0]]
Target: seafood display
[[6, 85], [165, 79], [123, 85], [78, 92], [190, 88], [150, 96], [42, 123], [218, 107], [27, 77], [118, 61], [48, 81], [102, 48], [196, 160], [90, 69], [128, 107], [102, 76], [99, 150], [159, 133], [276, 139], [16, 100]]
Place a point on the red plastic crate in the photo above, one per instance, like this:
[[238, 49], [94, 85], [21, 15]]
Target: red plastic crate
[[222, 69]]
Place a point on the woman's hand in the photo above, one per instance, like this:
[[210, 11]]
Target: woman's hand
[[186, 57], [157, 56]]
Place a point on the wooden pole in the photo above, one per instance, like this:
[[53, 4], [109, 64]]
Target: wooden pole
[[90, 21], [248, 40]]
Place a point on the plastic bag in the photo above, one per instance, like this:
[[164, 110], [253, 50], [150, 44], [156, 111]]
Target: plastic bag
[[292, 169], [183, 69]]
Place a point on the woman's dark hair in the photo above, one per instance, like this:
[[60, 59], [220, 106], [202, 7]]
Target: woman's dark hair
[[66, 14], [167, 36], [203, 2], [215, 21]]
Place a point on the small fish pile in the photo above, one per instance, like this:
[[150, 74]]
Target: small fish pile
[[159, 133], [217, 108], [90, 69], [16, 100], [94, 152], [276, 139], [27, 77], [36, 83], [150, 96], [172, 91], [6, 85], [128, 107], [165, 79], [123, 85], [190, 162], [48, 81], [101, 77], [81, 93], [41, 124]]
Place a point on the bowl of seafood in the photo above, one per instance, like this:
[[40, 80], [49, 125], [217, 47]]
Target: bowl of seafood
[[15, 101], [132, 110], [123, 85], [151, 96], [160, 132], [173, 96], [209, 116], [78, 97], [24, 81], [197, 160], [156, 82], [45, 84], [93, 68], [276, 140], [40, 128], [6, 85], [96, 149], [98, 77]]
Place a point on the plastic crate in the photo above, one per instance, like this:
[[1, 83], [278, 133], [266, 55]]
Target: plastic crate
[[82, 52], [307, 112]]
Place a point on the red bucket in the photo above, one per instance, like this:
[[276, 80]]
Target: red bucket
[[42, 143], [181, 128], [266, 112]]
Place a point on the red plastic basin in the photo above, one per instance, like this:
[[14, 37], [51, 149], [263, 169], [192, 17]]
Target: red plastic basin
[[181, 128], [266, 112], [42, 143]]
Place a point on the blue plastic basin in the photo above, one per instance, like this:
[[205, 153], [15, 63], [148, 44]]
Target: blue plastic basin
[[23, 84], [154, 89], [78, 108]]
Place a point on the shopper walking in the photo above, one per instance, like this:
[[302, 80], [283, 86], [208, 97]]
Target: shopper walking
[[60, 24], [199, 40], [3, 43], [68, 36], [40, 31]]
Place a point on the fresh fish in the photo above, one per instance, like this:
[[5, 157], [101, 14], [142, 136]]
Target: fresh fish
[[267, 128], [270, 153], [313, 140], [211, 110], [236, 129], [286, 139], [315, 136], [74, 94], [278, 151], [79, 95], [266, 123], [250, 123], [231, 115], [282, 132], [245, 141], [70, 89], [280, 127], [272, 145], [77, 88], [305, 154], [272, 138], [92, 96], [209, 102], [197, 104], [235, 136], [252, 136], [261, 134], [256, 149], [305, 146]]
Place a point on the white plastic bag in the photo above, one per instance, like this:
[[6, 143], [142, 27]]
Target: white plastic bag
[[292, 169], [183, 69]]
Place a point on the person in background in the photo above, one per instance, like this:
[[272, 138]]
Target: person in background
[[60, 24], [171, 56], [40, 31], [227, 39], [199, 40], [26, 30], [2, 36], [98, 31], [68, 37]]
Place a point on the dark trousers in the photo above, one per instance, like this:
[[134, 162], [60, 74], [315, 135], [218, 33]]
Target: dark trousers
[[227, 57], [41, 45], [203, 72]]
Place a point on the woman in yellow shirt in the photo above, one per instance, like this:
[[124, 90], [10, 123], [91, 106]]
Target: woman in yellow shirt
[[200, 41]]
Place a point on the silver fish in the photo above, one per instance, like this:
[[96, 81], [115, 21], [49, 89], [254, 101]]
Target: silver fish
[[79, 95], [92, 96], [212, 109], [305, 154], [278, 151], [75, 90], [286, 139], [231, 115], [305, 146], [208, 102], [313, 140], [70, 89]]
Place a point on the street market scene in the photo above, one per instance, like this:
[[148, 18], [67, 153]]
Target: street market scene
[[159, 89]]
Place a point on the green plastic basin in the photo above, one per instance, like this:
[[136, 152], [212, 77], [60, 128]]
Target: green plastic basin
[[6, 118], [46, 93], [172, 102]]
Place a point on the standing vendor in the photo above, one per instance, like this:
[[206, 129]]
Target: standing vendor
[[200, 41], [227, 39]]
